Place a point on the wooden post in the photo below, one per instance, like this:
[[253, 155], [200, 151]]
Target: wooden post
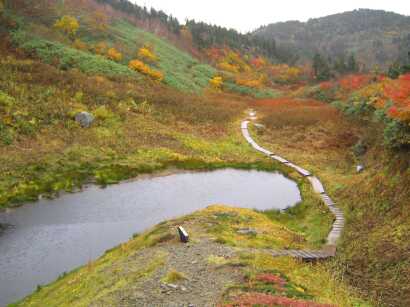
[[183, 235]]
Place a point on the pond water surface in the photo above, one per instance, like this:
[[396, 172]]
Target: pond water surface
[[49, 237]]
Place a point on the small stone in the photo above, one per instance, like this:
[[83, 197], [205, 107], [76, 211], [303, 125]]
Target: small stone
[[85, 119], [173, 286], [183, 288], [247, 231], [359, 168]]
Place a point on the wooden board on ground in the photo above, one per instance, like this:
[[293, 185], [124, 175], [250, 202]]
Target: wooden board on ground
[[316, 184], [300, 170]]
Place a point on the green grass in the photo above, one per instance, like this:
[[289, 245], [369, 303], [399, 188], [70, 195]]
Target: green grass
[[181, 70], [67, 58], [310, 217], [254, 92]]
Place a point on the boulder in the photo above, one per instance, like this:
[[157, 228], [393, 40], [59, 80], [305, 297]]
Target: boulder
[[85, 119]]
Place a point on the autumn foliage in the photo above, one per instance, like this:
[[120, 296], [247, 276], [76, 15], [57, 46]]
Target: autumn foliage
[[68, 25], [145, 70], [114, 55], [216, 82], [354, 82], [100, 48], [146, 53], [262, 299]]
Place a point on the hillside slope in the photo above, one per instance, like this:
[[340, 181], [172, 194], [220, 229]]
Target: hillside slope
[[376, 37]]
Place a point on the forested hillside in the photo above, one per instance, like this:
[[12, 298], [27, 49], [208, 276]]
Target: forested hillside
[[378, 38]]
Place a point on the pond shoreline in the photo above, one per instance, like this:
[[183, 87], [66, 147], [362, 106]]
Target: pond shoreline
[[76, 228]]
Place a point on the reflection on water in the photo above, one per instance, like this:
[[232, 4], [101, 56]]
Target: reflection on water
[[50, 237]]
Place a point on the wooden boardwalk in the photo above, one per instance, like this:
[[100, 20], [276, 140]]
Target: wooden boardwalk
[[329, 250]]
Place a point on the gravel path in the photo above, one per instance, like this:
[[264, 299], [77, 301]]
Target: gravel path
[[204, 284]]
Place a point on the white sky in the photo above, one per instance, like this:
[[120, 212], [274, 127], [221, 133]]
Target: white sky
[[245, 16]]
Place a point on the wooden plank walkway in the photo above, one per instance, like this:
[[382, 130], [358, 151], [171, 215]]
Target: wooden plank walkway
[[329, 250]]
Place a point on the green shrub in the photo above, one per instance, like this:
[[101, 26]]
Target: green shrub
[[67, 58], [244, 90], [397, 135]]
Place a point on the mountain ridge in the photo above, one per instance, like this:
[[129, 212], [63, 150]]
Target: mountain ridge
[[377, 37]]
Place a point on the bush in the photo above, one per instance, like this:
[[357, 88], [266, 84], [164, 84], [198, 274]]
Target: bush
[[397, 135], [145, 70], [114, 55], [68, 58]]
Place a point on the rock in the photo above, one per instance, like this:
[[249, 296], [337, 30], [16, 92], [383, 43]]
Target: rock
[[85, 119], [359, 168], [183, 288], [247, 231], [173, 286]]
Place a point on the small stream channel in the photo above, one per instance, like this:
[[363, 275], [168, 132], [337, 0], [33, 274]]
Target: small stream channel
[[44, 239]]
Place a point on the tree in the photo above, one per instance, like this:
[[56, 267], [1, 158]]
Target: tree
[[340, 65], [352, 64], [68, 25], [321, 68]]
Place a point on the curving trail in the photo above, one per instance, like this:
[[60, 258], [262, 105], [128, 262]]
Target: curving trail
[[329, 250]]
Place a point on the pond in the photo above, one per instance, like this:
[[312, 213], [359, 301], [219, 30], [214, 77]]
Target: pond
[[44, 239]]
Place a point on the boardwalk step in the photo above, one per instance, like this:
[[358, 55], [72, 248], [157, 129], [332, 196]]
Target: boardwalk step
[[278, 158], [300, 170], [302, 254], [316, 184], [318, 187]]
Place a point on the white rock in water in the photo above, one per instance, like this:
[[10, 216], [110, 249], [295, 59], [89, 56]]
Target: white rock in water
[[359, 168], [85, 119]]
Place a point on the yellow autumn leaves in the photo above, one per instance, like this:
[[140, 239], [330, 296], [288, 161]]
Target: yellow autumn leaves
[[147, 54]]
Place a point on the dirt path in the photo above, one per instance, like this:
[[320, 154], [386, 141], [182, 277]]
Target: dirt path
[[203, 283]]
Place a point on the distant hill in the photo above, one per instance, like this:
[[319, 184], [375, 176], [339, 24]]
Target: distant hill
[[377, 37]]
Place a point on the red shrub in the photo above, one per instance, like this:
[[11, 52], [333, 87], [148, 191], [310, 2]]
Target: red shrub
[[252, 299], [271, 279], [354, 82], [326, 85]]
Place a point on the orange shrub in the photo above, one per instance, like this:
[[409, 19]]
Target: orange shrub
[[145, 70], [254, 83], [114, 55], [228, 67], [146, 53]]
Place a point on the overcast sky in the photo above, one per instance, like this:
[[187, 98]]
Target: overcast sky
[[248, 15]]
